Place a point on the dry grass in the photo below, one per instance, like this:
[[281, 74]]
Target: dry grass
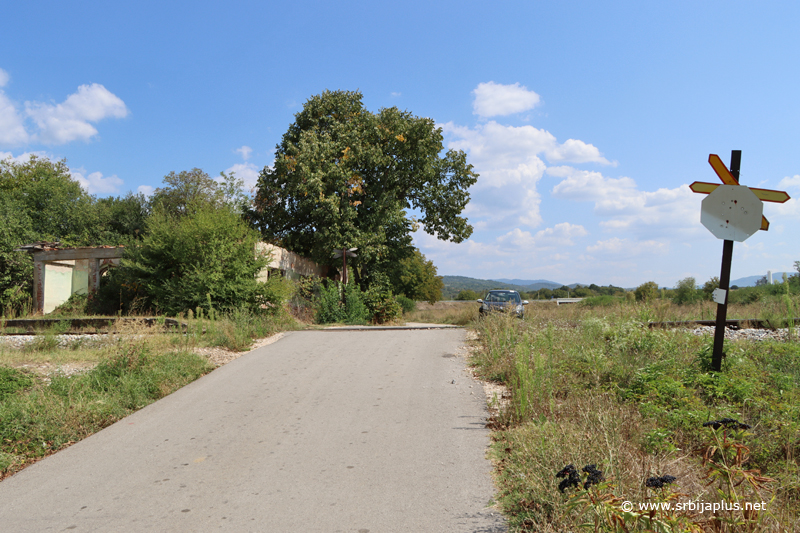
[[456, 313]]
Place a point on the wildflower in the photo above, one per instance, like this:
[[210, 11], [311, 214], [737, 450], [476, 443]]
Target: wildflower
[[659, 482], [729, 423]]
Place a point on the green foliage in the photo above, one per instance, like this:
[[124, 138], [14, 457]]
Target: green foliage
[[188, 191], [415, 277], [46, 418], [122, 220], [58, 208], [383, 306], [646, 292], [467, 295], [331, 309], [16, 268], [710, 286], [329, 305], [686, 291], [343, 177], [76, 305], [407, 304], [202, 259], [13, 380]]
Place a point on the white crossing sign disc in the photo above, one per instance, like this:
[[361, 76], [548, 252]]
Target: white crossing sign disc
[[732, 212]]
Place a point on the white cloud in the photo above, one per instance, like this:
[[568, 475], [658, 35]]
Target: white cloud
[[622, 248], [510, 167], [71, 120], [575, 151], [395, 95], [245, 151], [559, 236], [95, 183], [12, 129], [562, 234], [494, 99], [247, 172], [792, 182], [146, 190], [628, 208]]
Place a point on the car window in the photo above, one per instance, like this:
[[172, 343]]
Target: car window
[[502, 297]]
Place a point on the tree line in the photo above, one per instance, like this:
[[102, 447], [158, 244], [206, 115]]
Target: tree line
[[343, 177]]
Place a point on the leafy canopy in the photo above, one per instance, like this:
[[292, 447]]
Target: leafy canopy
[[343, 177]]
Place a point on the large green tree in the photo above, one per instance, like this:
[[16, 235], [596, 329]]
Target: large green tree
[[345, 177], [194, 189], [58, 208], [415, 277], [16, 268]]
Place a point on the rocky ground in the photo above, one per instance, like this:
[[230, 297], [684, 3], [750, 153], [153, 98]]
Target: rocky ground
[[749, 334]]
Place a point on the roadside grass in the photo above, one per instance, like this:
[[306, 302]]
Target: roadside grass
[[43, 417], [595, 385], [455, 313], [124, 371]]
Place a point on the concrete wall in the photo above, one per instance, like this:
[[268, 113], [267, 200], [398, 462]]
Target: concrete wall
[[58, 287], [291, 264]]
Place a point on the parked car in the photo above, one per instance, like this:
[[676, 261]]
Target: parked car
[[503, 300]]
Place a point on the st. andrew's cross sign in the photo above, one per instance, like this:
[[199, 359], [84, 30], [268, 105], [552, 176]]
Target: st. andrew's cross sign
[[731, 212]]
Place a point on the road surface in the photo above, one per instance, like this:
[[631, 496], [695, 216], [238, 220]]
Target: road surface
[[351, 431]]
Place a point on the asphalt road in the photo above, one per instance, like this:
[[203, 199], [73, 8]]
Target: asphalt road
[[351, 431]]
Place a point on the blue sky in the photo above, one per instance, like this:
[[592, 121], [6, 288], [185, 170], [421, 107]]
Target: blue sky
[[586, 120]]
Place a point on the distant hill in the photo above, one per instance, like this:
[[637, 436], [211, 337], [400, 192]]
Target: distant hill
[[455, 284], [534, 284], [750, 281]]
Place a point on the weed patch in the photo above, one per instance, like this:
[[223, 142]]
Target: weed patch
[[47, 417], [593, 385]]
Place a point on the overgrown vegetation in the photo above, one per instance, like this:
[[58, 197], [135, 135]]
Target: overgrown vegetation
[[595, 385], [328, 302], [38, 418]]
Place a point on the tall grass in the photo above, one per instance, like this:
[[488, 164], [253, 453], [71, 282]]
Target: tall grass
[[454, 313], [39, 418], [596, 385]]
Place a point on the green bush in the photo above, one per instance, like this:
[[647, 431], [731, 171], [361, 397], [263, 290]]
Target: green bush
[[329, 304], [407, 304], [203, 258], [646, 291], [686, 292], [467, 294], [382, 304], [355, 309], [330, 307]]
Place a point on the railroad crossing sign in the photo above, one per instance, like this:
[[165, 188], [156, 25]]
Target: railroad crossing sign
[[732, 212], [727, 178]]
